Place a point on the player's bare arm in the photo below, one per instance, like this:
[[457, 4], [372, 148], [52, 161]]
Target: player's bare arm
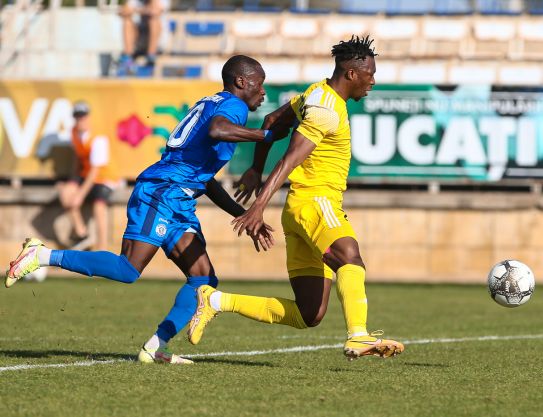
[[218, 195], [224, 130], [280, 120], [283, 116], [299, 149]]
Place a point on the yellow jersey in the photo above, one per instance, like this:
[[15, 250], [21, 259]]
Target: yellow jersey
[[323, 119]]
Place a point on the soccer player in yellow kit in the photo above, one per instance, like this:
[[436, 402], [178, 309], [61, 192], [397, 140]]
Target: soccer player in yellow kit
[[320, 240]]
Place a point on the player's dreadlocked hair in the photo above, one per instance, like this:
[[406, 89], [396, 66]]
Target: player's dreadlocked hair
[[356, 48]]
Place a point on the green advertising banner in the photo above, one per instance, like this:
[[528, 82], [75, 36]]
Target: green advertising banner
[[399, 133], [455, 133]]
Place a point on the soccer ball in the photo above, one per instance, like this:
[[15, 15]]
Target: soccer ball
[[38, 275], [511, 283]]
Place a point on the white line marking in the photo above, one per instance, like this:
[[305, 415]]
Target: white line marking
[[58, 365], [338, 345], [293, 349], [472, 339]]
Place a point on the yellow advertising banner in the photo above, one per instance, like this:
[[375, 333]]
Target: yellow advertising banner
[[136, 115]]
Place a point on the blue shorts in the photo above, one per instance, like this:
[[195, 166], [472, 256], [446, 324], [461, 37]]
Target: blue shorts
[[160, 213]]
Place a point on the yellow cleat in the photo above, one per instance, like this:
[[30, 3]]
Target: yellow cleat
[[26, 262], [371, 346], [204, 314], [161, 355]]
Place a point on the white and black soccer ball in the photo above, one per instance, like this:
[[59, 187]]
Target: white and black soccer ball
[[511, 283], [38, 275]]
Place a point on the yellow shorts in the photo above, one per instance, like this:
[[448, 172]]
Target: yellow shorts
[[311, 225]]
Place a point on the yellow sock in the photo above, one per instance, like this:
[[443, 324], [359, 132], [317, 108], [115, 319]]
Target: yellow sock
[[267, 310], [352, 294]]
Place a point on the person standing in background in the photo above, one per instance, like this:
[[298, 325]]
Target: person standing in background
[[94, 180]]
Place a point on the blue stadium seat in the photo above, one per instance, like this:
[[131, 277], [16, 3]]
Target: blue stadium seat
[[393, 7], [262, 9], [204, 28], [497, 7], [411, 7], [310, 10], [144, 71], [209, 6], [452, 7], [363, 6], [255, 6], [534, 7], [182, 71]]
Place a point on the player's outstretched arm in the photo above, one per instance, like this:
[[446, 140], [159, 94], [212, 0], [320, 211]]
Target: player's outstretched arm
[[251, 180], [224, 130], [299, 149], [263, 238], [222, 199]]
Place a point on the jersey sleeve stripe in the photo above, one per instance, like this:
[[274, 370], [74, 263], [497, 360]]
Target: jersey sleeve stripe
[[328, 100]]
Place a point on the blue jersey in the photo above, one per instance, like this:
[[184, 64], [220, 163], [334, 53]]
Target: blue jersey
[[191, 157]]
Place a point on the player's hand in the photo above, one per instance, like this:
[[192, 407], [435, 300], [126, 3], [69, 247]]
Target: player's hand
[[251, 221], [264, 238], [250, 181]]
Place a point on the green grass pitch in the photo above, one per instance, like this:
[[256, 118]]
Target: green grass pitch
[[458, 373]]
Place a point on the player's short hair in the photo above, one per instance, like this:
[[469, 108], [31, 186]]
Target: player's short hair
[[238, 65], [355, 48]]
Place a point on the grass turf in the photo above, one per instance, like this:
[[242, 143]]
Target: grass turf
[[68, 321]]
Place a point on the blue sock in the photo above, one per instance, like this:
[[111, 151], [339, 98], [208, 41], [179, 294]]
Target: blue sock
[[183, 308], [102, 264]]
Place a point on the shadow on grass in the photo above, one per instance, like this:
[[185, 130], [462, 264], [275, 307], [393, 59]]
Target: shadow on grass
[[233, 362], [36, 354], [427, 365], [101, 356]]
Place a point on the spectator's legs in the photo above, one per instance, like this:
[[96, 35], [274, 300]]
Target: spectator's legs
[[155, 29], [130, 31], [130, 34], [154, 10], [99, 208], [67, 192]]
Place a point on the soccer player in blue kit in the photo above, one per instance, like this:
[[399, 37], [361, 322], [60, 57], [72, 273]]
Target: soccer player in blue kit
[[161, 209]]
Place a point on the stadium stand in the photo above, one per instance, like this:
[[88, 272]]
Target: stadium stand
[[442, 37], [530, 38], [204, 37], [492, 38], [252, 36], [298, 34], [448, 40]]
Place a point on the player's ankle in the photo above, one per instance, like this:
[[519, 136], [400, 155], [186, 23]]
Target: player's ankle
[[155, 343], [44, 256], [215, 300]]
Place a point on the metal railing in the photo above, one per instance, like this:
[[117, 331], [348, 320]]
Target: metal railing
[[13, 33]]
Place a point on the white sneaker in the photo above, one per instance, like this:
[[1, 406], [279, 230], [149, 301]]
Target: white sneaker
[[161, 355]]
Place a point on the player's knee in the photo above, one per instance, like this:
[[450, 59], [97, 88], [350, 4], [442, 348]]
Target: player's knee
[[312, 321], [127, 12], [313, 316], [127, 272], [335, 259]]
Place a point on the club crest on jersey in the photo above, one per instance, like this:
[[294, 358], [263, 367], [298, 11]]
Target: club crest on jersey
[[161, 229]]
